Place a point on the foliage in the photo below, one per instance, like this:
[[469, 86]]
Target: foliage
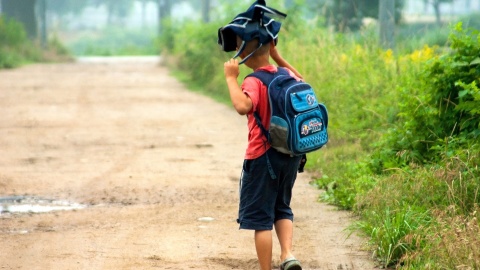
[[23, 12], [434, 144], [471, 21], [348, 15], [115, 41], [439, 112], [436, 7], [63, 7], [200, 58], [453, 238], [15, 47], [416, 195], [117, 9], [419, 34], [342, 189], [392, 232], [11, 35]]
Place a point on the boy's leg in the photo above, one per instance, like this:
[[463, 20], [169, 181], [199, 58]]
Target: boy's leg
[[283, 212], [263, 245], [284, 230]]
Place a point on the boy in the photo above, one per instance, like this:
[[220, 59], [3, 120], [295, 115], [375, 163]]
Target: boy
[[264, 201]]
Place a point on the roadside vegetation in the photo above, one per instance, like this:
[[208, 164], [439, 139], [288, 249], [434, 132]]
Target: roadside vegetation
[[113, 40], [17, 49], [404, 129]]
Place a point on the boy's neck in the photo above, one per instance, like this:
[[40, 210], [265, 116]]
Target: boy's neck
[[256, 63]]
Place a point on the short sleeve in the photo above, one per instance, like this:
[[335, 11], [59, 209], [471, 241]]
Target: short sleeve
[[251, 86]]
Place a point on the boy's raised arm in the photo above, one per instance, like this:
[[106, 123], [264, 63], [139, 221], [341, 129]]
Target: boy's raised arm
[[241, 102], [280, 61]]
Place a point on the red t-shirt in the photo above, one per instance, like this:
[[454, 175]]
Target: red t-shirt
[[257, 92]]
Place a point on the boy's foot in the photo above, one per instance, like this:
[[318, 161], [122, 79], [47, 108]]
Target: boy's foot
[[290, 264]]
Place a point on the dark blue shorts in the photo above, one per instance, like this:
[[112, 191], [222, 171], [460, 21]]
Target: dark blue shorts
[[264, 200]]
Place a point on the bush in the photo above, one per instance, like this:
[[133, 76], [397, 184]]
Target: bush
[[16, 49], [12, 42], [12, 33], [439, 112]]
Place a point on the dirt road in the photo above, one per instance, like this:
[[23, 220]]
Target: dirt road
[[152, 168]]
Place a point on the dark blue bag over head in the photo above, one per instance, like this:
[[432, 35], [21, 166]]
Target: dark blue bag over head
[[256, 23]]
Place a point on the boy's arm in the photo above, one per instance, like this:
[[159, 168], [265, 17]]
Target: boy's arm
[[241, 102], [280, 61]]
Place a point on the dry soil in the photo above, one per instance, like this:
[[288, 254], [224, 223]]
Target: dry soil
[[153, 168]]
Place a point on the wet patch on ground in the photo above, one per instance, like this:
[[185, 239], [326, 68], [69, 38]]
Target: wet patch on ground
[[33, 204]]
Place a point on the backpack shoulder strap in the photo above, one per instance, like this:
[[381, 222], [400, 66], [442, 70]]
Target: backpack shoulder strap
[[267, 77]]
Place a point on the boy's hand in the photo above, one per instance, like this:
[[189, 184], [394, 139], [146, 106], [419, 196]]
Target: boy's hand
[[241, 102], [231, 69]]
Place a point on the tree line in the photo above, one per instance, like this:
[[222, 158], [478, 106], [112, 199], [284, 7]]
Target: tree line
[[341, 15]]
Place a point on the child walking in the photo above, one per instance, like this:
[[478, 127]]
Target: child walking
[[264, 198]]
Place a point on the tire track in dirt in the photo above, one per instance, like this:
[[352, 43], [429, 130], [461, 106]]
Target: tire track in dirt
[[149, 159]]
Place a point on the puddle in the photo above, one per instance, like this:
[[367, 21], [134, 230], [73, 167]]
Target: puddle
[[206, 219], [31, 204]]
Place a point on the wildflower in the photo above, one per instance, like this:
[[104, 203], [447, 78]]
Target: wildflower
[[388, 57]]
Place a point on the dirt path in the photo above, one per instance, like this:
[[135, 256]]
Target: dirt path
[[150, 161]]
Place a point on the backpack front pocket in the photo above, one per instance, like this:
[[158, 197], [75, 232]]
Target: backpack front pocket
[[303, 100], [311, 133]]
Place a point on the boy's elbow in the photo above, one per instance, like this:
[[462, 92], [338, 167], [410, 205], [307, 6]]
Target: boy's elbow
[[243, 105], [242, 110]]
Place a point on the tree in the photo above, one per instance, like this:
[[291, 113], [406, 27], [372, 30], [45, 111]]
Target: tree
[[164, 12], [63, 7], [144, 4], [386, 19], [347, 15], [42, 10], [24, 12], [436, 8], [116, 9], [206, 10]]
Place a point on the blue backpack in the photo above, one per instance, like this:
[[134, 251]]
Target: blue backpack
[[298, 122]]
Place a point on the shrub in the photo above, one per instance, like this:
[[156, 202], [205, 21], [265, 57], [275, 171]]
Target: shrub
[[12, 33], [439, 112], [12, 42], [16, 49]]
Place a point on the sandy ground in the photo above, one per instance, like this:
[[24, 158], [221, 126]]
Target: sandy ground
[[155, 166]]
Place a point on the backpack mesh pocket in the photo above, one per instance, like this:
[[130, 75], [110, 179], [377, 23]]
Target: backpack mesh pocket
[[279, 134]]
